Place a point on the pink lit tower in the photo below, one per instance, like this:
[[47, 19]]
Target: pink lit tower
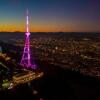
[[26, 58]]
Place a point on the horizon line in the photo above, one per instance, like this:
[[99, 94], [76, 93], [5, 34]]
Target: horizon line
[[52, 32]]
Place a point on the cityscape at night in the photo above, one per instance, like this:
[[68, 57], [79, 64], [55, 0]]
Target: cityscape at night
[[50, 49]]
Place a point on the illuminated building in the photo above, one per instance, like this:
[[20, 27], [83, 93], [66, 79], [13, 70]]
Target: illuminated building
[[0, 49]]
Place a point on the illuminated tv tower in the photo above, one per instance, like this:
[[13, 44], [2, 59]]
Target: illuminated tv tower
[[26, 58]]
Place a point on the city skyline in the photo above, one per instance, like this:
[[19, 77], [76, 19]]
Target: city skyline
[[50, 15]]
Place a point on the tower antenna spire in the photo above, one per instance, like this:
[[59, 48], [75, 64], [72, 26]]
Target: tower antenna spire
[[27, 21]]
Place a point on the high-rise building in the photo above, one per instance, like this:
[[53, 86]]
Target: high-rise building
[[0, 49]]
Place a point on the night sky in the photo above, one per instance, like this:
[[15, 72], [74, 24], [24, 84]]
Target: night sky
[[51, 15]]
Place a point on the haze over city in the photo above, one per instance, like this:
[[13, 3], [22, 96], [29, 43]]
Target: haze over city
[[50, 15]]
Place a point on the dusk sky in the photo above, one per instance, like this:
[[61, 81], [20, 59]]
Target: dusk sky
[[51, 15]]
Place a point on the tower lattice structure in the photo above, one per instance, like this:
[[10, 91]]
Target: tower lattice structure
[[26, 57]]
